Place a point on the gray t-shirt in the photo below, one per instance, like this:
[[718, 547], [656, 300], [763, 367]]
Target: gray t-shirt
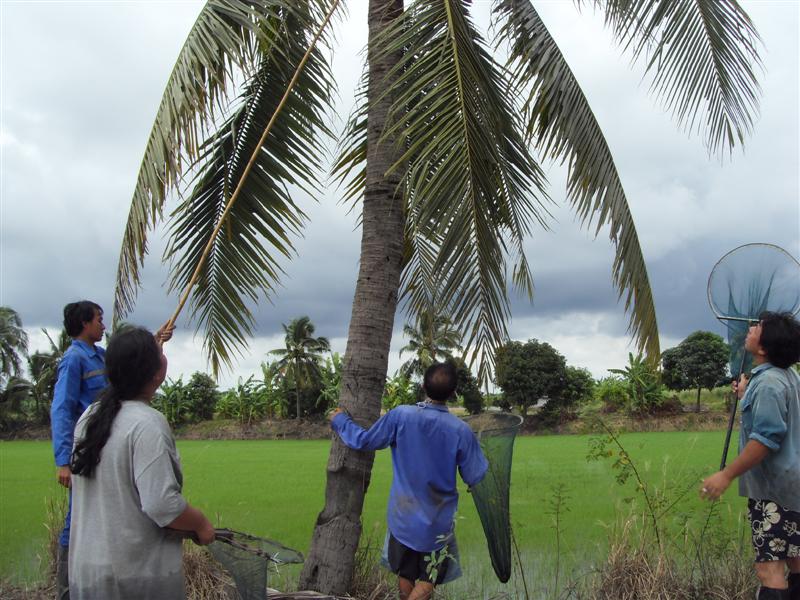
[[118, 549]]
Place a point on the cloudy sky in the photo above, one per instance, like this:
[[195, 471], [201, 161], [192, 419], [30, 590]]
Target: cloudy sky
[[80, 85]]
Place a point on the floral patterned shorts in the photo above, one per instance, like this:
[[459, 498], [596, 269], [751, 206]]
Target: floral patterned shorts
[[776, 530]]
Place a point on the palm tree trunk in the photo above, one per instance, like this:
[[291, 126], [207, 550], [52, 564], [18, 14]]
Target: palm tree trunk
[[297, 387], [331, 559]]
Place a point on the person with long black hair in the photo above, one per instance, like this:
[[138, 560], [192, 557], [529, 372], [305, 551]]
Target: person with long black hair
[[126, 485], [81, 377]]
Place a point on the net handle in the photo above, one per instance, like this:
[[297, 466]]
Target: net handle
[[228, 536]]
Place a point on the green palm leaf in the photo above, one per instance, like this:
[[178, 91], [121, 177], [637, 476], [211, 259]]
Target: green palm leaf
[[221, 42], [243, 261], [562, 122], [472, 187], [703, 55]]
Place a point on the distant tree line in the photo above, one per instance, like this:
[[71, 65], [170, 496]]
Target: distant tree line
[[305, 377]]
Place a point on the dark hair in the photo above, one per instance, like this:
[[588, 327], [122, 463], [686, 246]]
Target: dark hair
[[780, 338], [132, 359], [78, 313], [440, 381]]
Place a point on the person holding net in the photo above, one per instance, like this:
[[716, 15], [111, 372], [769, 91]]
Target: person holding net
[[126, 485], [428, 445], [80, 378], [768, 465]]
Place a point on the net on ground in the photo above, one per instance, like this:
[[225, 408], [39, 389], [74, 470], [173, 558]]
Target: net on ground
[[496, 433], [248, 558]]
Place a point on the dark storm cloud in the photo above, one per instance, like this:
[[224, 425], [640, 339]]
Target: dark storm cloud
[[81, 84]]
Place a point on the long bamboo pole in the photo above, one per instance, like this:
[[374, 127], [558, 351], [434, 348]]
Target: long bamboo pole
[[201, 262]]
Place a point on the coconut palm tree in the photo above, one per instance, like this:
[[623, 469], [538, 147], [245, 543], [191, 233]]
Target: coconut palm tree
[[299, 360], [440, 154], [432, 339], [13, 343], [43, 368]]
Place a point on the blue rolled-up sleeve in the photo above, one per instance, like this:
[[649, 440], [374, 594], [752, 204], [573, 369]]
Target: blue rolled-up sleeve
[[377, 437], [770, 414], [64, 409], [472, 464]]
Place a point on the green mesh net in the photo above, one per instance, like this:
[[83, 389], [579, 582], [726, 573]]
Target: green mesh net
[[496, 433], [247, 558]]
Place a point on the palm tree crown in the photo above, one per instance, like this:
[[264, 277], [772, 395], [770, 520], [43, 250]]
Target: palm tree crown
[[300, 359], [13, 343], [433, 339]]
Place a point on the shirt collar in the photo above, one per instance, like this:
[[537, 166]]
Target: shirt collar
[[86, 348], [430, 404], [760, 368]]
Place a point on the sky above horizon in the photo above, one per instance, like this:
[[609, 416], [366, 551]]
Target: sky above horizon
[[79, 86]]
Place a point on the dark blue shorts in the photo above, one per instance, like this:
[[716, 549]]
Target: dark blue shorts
[[776, 530], [418, 566]]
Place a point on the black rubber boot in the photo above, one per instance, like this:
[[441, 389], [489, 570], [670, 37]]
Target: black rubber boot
[[62, 573], [765, 593], [794, 586]]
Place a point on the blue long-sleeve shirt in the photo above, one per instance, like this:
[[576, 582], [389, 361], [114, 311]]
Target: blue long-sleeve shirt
[[428, 445], [81, 376], [771, 416]]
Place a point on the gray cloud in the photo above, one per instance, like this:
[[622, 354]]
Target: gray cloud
[[81, 83]]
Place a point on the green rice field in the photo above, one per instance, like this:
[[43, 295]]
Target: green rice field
[[275, 489]]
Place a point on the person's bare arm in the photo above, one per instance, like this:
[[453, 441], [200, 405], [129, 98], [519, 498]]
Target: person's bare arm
[[191, 519], [752, 454]]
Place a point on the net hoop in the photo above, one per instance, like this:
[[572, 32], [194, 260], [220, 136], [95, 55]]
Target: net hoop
[[501, 422], [790, 262]]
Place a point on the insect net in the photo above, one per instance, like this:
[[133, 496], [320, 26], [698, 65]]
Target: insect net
[[248, 558], [496, 433], [744, 283]]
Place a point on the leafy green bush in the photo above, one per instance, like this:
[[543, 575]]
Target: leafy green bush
[[578, 389], [612, 392], [643, 385], [399, 390], [330, 382], [173, 402], [499, 401], [529, 371], [247, 402], [201, 396], [467, 389]]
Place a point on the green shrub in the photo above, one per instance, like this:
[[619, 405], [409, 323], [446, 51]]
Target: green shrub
[[643, 385], [173, 402], [201, 396], [249, 401], [399, 390], [612, 392], [467, 389]]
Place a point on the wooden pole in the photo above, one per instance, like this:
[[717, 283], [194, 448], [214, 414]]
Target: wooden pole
[[201, 262]]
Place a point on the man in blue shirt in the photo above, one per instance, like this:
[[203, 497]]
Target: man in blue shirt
[[428, 445], [81, 377], [768, 465]]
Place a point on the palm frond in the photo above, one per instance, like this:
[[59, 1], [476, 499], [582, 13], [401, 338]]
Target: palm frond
[[562, 122], [223, 46], [704, 58], [221, 42], [473, 189], [243, 261], [349, 168]]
